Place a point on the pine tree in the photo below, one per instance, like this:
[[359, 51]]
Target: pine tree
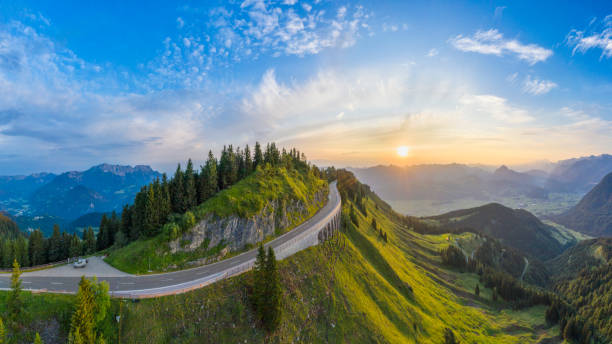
[[273, 294], [150, 224], [37, 339], [259, 285], [212, 177], [177, 191], [54, 245], [89, 245], [82, 324], [126, 220], [248, 161], [36, 248], [191, 199], [258, 158], [75, 246], [14, 304], [102, 239], [165, 207], [477, 290], [114, 225]]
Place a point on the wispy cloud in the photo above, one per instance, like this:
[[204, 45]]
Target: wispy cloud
[[432, 52], [537, 87], [599, 37], [251, 30], [497, 107], [499, 11], [492, 42]]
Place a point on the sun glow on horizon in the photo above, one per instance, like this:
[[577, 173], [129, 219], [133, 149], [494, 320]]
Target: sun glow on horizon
[[403, 151]]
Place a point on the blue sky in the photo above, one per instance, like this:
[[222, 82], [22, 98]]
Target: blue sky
[[84, 82]]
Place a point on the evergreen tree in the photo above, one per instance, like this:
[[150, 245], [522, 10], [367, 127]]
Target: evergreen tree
[[273, 294], [138, 214], [36, 247], [150, 224], [165, 206], [14, 304], [191, 199], [21, 253], [114, 224], [37, 339], [177, 191], [211, 176], [126, 220], [102, 240], [82, 324], [75, 246], [65, 245], [477, 290], [258, 158], [259, 285], [55, 245], [248, 161], [89, 239]]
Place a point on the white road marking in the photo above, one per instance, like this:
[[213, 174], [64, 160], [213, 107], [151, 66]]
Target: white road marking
[[57, 283], [127, 283]]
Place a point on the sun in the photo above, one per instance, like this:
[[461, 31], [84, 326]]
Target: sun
[[403, 151]]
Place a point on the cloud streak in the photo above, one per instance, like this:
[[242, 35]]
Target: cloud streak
[[537, 87], [492, 42], [598, 38]]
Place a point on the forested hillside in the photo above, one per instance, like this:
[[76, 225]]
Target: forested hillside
[[593, 214], [264, 186], [8, 228], [377, 280], [516, 228]]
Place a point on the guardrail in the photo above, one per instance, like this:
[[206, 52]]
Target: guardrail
[[302, 241]]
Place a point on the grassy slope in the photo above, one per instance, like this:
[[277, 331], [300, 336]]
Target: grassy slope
[[245, 199], [350, 290]]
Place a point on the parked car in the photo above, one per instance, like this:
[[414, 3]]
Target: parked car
[[80, 263]]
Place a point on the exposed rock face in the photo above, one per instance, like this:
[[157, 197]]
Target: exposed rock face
[[237, 232]]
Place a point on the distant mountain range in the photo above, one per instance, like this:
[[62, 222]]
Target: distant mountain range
[[593, 214], [65, 197], [452, 182], [449, 182]]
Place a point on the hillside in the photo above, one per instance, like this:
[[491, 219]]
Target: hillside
[[593, 214], [8, 228], [587, 254], [355, 288], [516, 228], [263, 205]]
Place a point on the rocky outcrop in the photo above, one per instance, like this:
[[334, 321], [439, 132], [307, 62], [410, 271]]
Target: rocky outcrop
[[237, 232]]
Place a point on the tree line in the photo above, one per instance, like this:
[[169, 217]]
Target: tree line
[[503, 284], [583, 309], [163, 200], [154, 205], [36, 249]]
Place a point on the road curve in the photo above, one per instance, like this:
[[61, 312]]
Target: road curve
[[177, 282]]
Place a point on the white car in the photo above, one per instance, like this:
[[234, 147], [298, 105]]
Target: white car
[[80, 263]]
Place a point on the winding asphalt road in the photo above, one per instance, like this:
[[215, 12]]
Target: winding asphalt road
[[133, 286]]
